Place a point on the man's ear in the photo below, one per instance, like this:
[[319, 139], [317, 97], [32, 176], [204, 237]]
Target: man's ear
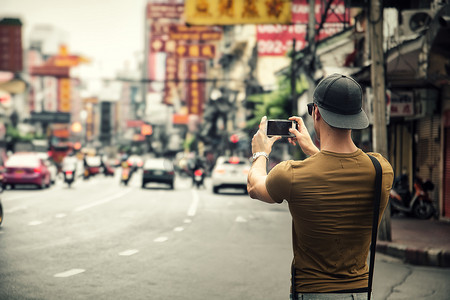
[[317, 115]]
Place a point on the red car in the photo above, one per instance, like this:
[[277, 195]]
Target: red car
[[26, 168]]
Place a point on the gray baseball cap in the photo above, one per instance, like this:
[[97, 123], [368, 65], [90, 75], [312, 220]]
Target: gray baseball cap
[[339, 98]]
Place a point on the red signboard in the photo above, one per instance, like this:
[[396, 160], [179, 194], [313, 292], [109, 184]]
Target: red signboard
[[196, 86], [182, 49], [50, 71], [11, 45], [134, 123], [163, 9], [276, 40]]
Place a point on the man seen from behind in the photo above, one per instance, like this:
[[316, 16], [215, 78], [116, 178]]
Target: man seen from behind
[[330, 194]]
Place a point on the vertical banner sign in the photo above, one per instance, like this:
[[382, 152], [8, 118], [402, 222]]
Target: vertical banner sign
[[276, 39], [50, 85], [170, 87], [169, 11], [196, 86], [229, 12], [64, 95]]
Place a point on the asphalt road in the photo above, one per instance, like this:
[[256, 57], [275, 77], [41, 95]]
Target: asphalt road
[[101, 240]]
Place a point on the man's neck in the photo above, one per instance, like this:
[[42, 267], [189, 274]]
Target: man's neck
[[338, 141]]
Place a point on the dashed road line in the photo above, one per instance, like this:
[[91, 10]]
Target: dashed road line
[[16, 208], [128, 252], [193, 207], [35, 223], [161, 239], [240, 219], [69, 273], [178, 229], [60, 216], [100, 202]]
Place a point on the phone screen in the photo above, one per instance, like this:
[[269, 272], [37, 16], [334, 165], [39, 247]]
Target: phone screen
[[279, 127]]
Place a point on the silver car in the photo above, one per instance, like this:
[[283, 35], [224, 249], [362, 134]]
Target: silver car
[[230, 172]]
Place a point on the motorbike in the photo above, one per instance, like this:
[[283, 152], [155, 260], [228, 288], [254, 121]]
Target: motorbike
[[127, 171], [418, 203], [198, 178], [69, 177]]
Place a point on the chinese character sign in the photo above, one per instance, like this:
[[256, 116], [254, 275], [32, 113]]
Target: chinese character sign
[[228, 12], [276, 39], [195, 97]]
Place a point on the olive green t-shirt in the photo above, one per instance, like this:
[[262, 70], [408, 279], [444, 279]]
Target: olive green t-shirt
[[330, 197]]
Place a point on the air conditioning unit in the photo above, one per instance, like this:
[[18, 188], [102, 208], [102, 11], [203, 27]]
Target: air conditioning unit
[[414, 21]]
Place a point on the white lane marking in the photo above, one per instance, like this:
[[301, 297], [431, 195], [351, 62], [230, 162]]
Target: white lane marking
[[178, 229], [17, 208], [34, 223], [187, 221], [193, 207], [240, 219], [60, 216], [161, 239], [128, 252], [69, 273], [100, 202], [7, 199]]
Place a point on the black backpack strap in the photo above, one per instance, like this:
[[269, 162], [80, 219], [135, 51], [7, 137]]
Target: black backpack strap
[[376, 214]]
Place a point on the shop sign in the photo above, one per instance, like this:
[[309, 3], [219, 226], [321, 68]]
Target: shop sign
[[164, 9], [195, 33], [196, 86], [171, 82], [276, 39], [64, 90], [183, 49], [50, 117], [134, 123], [50, 93], [50, 71], [402, 104], [219, 12]]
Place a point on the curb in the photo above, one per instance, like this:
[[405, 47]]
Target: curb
[[416, 256]]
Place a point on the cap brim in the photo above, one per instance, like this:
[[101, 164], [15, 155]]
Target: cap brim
[[357, 121]]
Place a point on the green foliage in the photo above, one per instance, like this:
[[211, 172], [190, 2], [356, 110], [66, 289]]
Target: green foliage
[[189, 143], [15, 134], [276, 104]]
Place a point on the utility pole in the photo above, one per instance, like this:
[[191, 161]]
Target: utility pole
[[294, 81], [377, 77]]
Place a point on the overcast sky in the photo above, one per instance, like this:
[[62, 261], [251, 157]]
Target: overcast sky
[[109, 32]]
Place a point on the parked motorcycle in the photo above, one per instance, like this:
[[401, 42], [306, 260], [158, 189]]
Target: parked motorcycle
[[418, 203], [198, 177]]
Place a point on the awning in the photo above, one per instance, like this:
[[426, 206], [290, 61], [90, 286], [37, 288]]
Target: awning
[[15, 86]]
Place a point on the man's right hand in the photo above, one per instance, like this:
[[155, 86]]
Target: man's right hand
[[302, 137]]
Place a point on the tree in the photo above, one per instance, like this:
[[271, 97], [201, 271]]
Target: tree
[[276, 104]]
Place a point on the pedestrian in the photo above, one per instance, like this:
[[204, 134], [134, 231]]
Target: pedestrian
[[330, 194]]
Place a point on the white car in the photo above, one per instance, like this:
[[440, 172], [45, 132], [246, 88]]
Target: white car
[[230, 172]]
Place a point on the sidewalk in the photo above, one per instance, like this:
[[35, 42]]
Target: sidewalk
[[418, 242]]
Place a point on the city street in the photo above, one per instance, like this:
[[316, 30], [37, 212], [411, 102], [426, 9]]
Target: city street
[[102, 240]]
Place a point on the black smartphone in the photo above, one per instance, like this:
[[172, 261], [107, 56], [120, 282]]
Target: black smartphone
[[280, 128]]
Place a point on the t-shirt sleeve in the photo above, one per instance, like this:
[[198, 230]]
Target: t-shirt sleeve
[[279, 181]]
